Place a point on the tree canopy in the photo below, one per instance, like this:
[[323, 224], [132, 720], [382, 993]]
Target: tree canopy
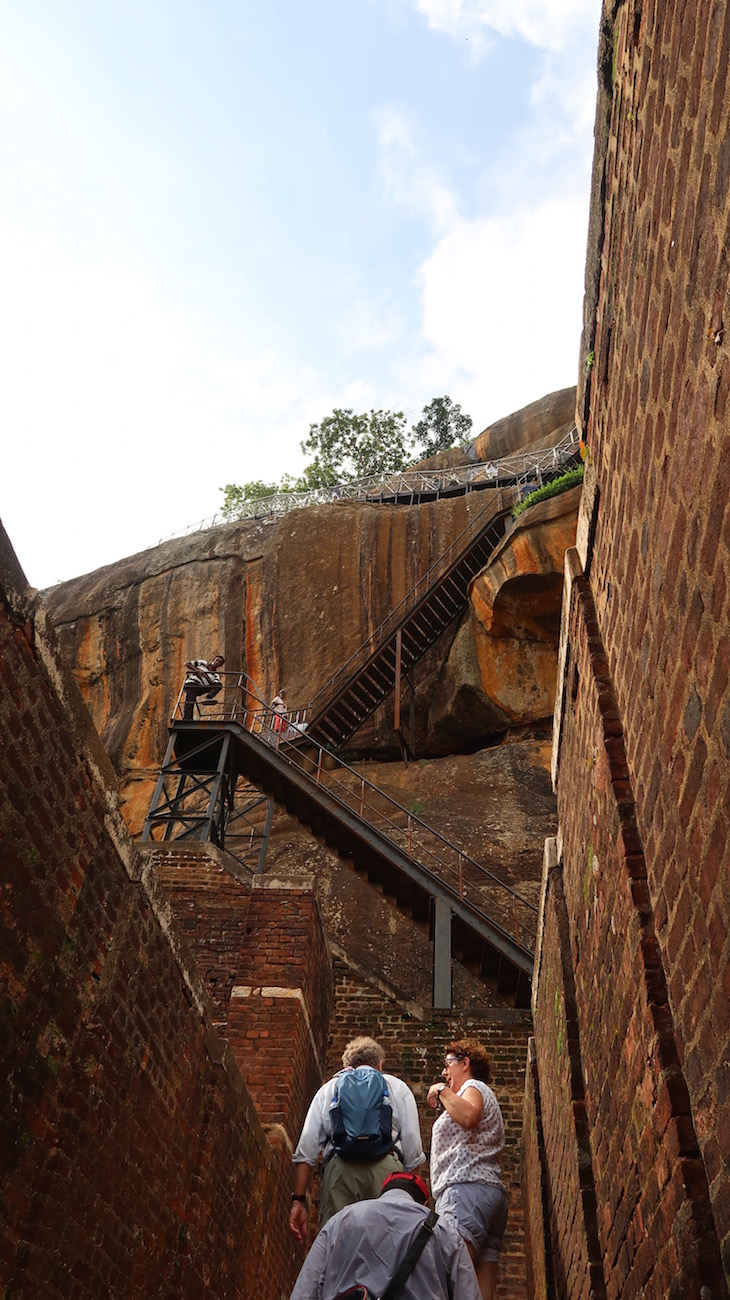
[[345, 446], [442, 424], [235, 496]]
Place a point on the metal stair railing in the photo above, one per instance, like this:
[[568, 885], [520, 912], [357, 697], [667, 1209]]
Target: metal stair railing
[[428, 582], [454, 872], [548, 463]]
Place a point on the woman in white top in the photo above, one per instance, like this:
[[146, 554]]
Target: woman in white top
[[466, 1143]]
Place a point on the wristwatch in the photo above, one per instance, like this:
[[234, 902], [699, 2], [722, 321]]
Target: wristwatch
[[295, 1197]]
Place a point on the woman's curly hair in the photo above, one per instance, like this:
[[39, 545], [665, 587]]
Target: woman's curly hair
[[479, 1061]]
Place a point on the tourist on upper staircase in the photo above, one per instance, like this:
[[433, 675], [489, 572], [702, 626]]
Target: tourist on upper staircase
[[389, 1138], [466, 1143], [203, 679], [278, 704], [364, 1245]]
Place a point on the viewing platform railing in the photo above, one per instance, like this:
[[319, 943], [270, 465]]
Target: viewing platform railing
[[384, 488]]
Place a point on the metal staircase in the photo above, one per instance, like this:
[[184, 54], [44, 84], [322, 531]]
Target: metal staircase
[[472, 914], [438, 598]]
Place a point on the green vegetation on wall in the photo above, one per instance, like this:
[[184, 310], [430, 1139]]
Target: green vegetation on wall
[[552, 489]]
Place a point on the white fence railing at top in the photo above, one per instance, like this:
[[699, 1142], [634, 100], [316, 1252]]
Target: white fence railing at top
[[523, 467]]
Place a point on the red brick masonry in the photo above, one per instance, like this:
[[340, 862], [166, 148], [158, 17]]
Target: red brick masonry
[[133, 1162]]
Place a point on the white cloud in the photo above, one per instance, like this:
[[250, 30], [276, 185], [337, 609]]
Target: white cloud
[[125, 411], [365, 326], [551, 24], [502, 301], [409, 179]]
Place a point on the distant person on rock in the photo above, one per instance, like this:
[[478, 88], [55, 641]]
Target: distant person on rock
[[365, 1125], [203, 679], [359, 1251], [466, 1143], [278, 704]]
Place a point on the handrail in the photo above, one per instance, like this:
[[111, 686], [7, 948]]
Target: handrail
[[422, 588], [381, 488], [438, 570], [239, 690], [454, 870]]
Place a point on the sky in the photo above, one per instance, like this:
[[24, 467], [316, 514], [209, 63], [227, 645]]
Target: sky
[[222, 219]]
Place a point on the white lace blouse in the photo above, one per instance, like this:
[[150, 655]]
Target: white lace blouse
[[468, 1155]]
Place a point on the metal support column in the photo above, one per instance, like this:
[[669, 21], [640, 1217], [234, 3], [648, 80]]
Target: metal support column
[[215, 802], [159, 787], [442, 954], [265, 840], [177, 800]]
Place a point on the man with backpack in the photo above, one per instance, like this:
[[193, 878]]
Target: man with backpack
[[365, 1124], [391, 1247]]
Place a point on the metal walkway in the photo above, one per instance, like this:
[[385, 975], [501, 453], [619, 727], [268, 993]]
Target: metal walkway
[[472, 914], [438, 598], [407, 487]]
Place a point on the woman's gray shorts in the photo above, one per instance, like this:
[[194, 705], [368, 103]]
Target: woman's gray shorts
[[479, 1213]]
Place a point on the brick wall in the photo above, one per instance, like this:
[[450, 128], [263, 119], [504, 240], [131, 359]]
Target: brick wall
[[562, 1195], [629, 1210], [260, 948], [643, 713], [133, 1160], [414, 1046], [211, 907], [660, 442], [538, 1240]]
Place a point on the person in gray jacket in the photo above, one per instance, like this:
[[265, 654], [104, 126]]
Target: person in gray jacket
[[362, 1245]]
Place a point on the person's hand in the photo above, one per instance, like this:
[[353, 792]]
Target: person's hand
[[298, 1221], [432, 1097]]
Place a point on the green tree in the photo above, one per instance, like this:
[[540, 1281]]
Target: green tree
[[442, 424], [346, 446], [234, 497]]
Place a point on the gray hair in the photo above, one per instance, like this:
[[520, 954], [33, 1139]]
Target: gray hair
[[363, 1051]]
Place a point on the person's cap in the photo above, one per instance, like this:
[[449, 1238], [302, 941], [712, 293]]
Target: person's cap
[[410, 1183]]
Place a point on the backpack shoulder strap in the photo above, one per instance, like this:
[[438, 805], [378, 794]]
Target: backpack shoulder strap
[[411, 1256]]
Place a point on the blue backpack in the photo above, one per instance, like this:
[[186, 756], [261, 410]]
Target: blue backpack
[[361, 1115]]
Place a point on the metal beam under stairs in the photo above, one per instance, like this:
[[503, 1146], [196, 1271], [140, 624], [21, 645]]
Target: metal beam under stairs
[[472, 915]]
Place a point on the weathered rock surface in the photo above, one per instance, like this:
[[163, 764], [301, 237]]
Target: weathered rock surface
[[290, 599], [501, 669], [538, 425]]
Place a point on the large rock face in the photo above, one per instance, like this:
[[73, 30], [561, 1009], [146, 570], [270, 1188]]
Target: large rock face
[[288, 601], [534, 426], [291, 600], [501, 669]]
